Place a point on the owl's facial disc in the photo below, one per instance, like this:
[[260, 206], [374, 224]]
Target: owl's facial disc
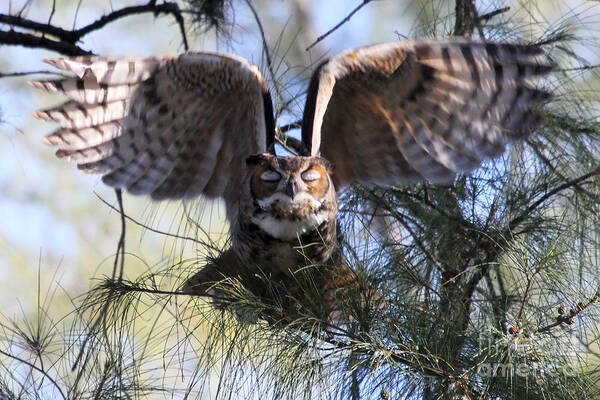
[[290, 193], [289, 185]]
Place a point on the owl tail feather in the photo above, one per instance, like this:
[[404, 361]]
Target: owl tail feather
[[327, 293]]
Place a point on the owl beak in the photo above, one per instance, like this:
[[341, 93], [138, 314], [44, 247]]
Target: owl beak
[[290, 188]]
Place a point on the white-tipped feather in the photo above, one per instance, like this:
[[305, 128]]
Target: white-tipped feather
[[87, 155], [109, 70], [77, 139], [74, 115], [137, 119], [85, 90]]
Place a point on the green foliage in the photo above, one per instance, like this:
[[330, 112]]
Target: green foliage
[[486, 289]]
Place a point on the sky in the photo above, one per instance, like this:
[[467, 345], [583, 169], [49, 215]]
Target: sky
[[56, 236], [52, 224], [51, 217], [55, 233]]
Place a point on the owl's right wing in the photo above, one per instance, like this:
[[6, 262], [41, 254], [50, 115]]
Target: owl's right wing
[[172, 127], [404, 112]]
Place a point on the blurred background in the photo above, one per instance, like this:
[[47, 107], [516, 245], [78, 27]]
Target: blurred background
[[56, 231], [54, 227]]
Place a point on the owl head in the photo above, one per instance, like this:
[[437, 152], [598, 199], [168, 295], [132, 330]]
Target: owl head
[[290, 187]]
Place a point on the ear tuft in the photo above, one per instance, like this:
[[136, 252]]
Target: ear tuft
[[329, 166], [257, 159]]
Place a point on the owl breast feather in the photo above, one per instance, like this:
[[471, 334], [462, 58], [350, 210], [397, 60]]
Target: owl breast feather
[[288, 229], [286, 219]]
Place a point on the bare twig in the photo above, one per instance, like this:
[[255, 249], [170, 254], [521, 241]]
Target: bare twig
[[164, 8], [290, 143], [52, 12], [67, 39], [146, 226], [29, 40], [573, 182], [25, 73], [342, 22], [526, 295], [121, 245], [265, 47], [30, 365], [285, 146], [492, 14], [583, 68]]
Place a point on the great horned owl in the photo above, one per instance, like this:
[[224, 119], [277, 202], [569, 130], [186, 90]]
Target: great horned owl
[[202, 124]]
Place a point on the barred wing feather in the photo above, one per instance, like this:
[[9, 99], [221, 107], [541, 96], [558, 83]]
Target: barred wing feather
[[172, 127], [402, 112]]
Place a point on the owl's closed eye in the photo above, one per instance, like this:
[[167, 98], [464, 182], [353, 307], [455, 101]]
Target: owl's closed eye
[[289, 179]]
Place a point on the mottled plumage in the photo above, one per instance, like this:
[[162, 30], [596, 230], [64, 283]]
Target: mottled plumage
[[202, 124]]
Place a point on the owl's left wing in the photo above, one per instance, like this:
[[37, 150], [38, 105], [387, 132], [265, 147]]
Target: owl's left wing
[[172, 126], [403, 112]]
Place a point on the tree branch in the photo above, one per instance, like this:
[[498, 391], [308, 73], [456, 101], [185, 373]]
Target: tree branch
[[30, 365], [573, 182], [165, 8], [67, 38], [342, 22], [466, 15], [15, 20], [492, 14], [28, 40]]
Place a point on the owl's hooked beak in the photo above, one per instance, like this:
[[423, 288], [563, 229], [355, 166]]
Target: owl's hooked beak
[[290, 188]]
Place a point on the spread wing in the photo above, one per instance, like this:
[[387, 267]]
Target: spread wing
[[171, 127], [402, 112]]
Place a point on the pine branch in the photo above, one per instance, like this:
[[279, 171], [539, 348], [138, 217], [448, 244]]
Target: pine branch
[[65, 42], [35, 367], [548, 195], [466, 17], [426, 200]]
